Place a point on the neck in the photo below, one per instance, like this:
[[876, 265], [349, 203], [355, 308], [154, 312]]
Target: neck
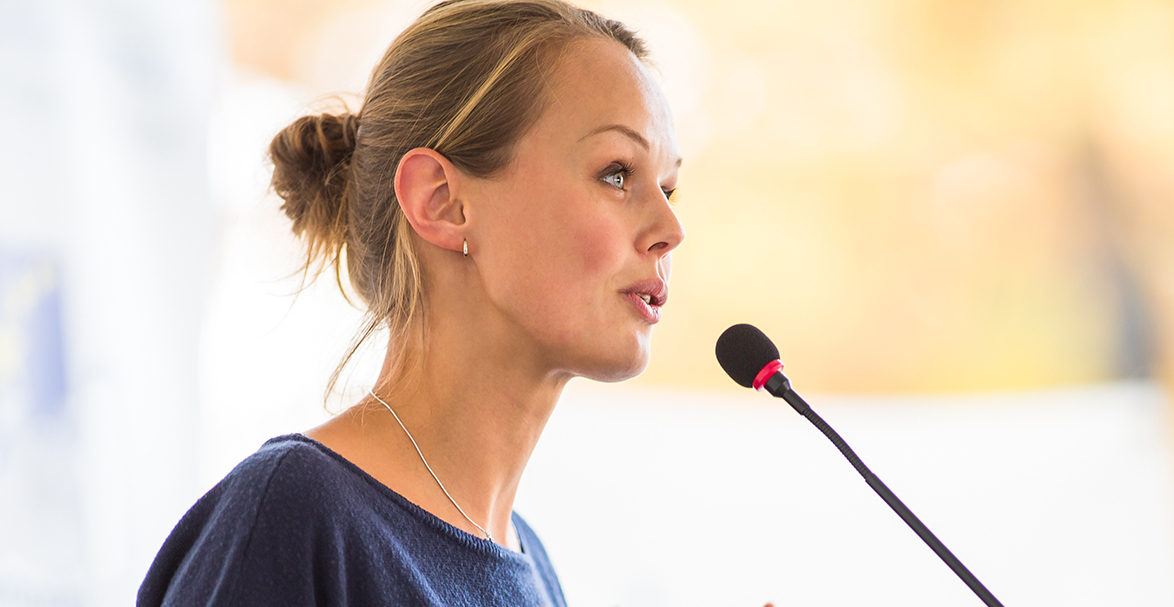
[[473, 391], [475, 428], [475, 406]]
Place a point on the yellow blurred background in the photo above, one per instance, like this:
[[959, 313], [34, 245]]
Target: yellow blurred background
[[907, 195]]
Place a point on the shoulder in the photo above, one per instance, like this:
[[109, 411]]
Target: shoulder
[[290, 473], [265, 514], [280, 459], [289, 470]]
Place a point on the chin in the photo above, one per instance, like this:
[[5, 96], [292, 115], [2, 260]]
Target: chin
[[617, 370]]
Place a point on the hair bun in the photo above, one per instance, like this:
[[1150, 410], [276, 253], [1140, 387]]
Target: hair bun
[[311, 161]]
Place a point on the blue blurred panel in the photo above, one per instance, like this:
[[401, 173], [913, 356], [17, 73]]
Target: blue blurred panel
[[32, 358], [40, 497]]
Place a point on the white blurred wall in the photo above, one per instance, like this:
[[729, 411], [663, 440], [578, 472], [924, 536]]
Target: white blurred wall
[[104, 172], [1050, 497]]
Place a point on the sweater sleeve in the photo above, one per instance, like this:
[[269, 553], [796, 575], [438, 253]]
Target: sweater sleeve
[[249, 541]]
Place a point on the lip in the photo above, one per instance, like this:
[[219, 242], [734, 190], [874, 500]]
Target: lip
[[658, 294]]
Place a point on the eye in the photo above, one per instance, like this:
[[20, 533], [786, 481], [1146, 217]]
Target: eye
[[616, 177], [668, 195]]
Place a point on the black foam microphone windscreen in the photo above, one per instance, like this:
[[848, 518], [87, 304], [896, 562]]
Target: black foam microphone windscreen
[[743, 350]]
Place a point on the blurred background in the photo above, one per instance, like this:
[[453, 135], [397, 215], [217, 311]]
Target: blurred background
[[955, 218]]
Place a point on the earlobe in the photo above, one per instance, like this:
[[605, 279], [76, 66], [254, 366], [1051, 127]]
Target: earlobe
[[427, 186]]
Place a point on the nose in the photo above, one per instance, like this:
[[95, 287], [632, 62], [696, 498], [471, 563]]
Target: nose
[[664, 232]]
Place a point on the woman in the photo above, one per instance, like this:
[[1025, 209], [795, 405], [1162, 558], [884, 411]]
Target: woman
[[502, 206]]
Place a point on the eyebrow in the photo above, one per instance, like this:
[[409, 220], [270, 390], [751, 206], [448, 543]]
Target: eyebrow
[[633, 135]]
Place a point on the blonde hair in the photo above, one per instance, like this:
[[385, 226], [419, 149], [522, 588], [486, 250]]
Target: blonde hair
[[466, 79]]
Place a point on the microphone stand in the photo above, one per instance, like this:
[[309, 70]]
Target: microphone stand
[[779, 386]]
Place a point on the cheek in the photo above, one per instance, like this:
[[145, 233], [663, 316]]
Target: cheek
[[562, 240], [595, 247], [555, 263], [579, 265], [587, 270]]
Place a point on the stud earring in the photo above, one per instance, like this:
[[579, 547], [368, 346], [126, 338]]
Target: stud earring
[[466, 248]]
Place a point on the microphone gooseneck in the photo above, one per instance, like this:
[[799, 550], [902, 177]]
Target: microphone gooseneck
[[751, 359]]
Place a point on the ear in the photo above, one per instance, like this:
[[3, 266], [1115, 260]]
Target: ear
[[427, 186]]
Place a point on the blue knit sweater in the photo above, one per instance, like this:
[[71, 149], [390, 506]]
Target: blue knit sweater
[[296, 525]]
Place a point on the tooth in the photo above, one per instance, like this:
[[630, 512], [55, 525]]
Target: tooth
[[647, 298]]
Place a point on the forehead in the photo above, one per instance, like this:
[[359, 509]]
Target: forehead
[[599, 82]]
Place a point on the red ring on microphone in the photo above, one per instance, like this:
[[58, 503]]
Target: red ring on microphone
[[766, 373]]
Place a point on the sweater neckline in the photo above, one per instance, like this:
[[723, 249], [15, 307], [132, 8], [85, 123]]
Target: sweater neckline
[[452, 532]]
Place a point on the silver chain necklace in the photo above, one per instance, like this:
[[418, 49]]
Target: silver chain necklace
[[488, 536]]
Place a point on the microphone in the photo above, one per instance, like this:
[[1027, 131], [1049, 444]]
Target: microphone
[[752, 360]]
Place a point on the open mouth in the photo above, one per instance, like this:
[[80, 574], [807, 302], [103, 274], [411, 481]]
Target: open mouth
[[646, 305], [647, 297], [651, 299]]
